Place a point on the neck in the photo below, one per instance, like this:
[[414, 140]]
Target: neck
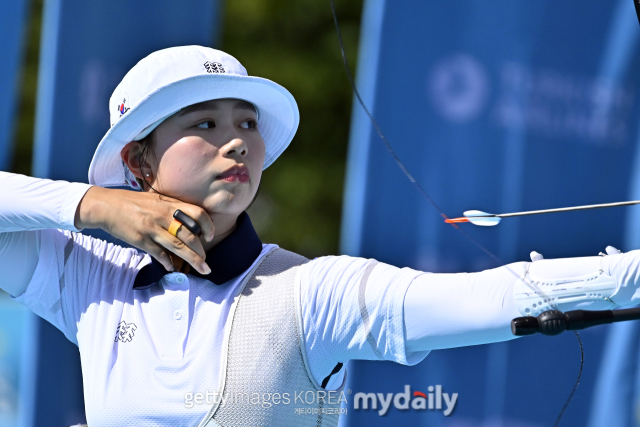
[[225, 225]]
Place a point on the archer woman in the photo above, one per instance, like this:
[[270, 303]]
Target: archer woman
[[204, 324]]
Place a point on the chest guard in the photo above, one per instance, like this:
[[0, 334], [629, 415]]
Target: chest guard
[[267, 381]]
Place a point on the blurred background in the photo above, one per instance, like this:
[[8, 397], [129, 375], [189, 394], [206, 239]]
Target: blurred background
[[497, 105]]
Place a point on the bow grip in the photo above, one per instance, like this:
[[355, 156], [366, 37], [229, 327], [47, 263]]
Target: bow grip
[[554, 322], [551, 322]]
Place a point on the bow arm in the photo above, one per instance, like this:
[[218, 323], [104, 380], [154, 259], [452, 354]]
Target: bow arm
[[454, 310]]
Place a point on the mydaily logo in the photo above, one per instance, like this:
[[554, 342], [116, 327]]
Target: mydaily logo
[[403, 401]]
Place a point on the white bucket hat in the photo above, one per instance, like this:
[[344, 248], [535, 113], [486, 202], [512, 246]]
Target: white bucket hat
[[170, 79]]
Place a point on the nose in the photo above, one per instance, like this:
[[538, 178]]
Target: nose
[[235, 148]]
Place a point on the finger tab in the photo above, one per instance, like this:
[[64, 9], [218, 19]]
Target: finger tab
[[188, 222]]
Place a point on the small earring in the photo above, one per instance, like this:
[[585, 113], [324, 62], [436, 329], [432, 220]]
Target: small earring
[[147, 174]]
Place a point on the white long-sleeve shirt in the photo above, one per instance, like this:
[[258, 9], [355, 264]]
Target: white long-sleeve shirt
[[83, 286]]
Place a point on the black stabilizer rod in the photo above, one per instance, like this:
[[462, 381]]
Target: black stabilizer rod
[[554, 322]]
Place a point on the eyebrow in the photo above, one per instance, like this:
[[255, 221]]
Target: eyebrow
[[212, 105]]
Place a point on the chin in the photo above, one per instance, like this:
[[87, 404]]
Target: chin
[[228, 204]]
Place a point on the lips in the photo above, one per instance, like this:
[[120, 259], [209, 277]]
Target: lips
[[235, 174]]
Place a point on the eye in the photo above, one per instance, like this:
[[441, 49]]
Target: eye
[[209, 124], [249, 124]]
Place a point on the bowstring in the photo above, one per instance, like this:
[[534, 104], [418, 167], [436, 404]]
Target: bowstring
[[426, 195], [575, 386]]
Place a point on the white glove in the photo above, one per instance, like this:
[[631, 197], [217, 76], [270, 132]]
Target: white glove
[[591, 283]]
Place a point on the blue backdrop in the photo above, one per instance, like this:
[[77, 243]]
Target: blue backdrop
[[17, 324], [86, 49], [498, 106], [13, 19]]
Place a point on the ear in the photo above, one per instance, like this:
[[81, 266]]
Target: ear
[[131, 156]]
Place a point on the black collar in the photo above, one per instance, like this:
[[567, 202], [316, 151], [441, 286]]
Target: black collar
[[228, 259]]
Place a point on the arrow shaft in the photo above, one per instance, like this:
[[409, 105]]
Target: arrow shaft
[[574, 208], [542, 211]]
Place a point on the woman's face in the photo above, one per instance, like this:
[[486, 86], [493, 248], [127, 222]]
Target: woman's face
[[209, 154]]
